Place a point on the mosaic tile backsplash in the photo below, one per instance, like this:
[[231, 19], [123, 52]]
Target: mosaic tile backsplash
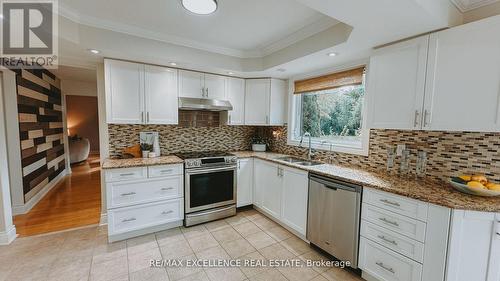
[[448, 153], [174, 139]]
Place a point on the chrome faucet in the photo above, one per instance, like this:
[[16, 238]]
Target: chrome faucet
[[309, 153]]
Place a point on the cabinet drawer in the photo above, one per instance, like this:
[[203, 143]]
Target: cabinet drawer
[[165, 170], [121, 194], [403, 225], [401, 205], [396, 242], [138, 217], [384, 264], [126, 174]]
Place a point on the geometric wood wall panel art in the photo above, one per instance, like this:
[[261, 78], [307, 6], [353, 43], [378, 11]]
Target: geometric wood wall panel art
[[40, 128]]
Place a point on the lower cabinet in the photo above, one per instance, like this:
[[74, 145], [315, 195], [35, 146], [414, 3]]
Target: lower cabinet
[[143, 200], [244, 193], [474, 246], [282, 193]]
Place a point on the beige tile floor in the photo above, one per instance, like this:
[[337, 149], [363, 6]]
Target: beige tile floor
[[85, 254]]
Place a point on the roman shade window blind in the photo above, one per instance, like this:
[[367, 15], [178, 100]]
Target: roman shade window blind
[[331, 81]]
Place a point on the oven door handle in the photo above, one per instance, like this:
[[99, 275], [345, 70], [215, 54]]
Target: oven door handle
[[210, 170]]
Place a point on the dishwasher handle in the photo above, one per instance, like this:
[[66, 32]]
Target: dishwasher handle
[[334, 184]]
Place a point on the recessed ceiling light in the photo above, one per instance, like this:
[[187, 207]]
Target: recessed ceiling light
[[200, 7], [1, 16], [230, 73], [94, 51], [332, 54], [173, 64]]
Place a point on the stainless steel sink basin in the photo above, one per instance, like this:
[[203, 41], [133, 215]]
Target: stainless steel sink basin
[[309, 163], [290, 159]]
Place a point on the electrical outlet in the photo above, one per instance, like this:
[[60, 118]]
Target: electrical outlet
[[399, 149]]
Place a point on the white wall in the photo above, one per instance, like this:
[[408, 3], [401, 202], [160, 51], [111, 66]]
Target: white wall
[[79, 88], [103, 135], [7, 229]]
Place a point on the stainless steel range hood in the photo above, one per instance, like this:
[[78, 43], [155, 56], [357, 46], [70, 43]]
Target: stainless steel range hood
[[204, 104]]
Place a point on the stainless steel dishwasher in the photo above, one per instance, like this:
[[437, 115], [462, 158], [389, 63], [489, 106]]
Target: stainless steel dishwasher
[[333, 217]]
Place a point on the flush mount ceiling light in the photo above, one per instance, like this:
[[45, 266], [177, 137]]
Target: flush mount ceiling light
[[173, 64], [332, 54], [94, 51], [200, 7], [230, 73]]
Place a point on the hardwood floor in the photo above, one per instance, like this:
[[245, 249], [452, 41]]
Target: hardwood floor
[[74, 202]]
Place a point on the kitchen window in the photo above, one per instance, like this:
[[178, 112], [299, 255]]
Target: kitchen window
[[331, 109]]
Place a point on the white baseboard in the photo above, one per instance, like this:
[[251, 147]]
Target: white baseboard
[[6, 237], [104, 219], [23, 209]]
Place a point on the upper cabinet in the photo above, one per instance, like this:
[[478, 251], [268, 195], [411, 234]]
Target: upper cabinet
[[463, 78], [397, 84], [160, 85], [265, 102], [194, 84], [446, 81], [124, 92], [235, 94], [140, 94]]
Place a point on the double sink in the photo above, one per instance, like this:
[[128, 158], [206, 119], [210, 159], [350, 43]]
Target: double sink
[[298, 161]]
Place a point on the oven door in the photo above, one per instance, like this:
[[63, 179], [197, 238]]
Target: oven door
[[208, 188]]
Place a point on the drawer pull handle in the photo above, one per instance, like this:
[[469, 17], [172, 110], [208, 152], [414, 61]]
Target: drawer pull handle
[[167, 212], [390, 202], [166, 171], [128, 193], [389, 222], [388, 240], [166, 188], [129, 220], [385, 267], [126, 175]]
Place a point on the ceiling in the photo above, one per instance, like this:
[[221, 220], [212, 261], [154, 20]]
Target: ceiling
[[238, 28], [75, 73], [249, 38]]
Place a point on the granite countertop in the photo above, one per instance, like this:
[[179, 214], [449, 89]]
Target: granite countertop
[[111, 163], [431, 191]]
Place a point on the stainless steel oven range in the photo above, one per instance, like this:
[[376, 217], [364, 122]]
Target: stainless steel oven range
[[210, 186]]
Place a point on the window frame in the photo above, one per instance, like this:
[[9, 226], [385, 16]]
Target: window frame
[[295, 120]]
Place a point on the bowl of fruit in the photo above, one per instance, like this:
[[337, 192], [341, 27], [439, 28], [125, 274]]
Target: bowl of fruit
[[475, 185]]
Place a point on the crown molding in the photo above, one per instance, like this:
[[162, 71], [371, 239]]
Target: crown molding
[[467, 5], [312, 28]]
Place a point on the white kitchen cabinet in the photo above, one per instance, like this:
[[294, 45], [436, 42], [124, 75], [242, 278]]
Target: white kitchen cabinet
[[282, 193], [193, 84], [124, 86], [215, 86], [474, 246], [161, 95], [244, 193], [140, 94], [235, 94], [294, 202], [265, 102], [396, 85], [463, 78]]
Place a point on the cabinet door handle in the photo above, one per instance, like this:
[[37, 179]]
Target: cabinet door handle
[[166, 188], [166, 171], [389, 221], [128, 194], [126, 175], [207, 92], [147, 117], [426, 113], [415, 121], [388, 240], [142, 117], [267, 119], [390, 269], [229, 118], [167, 212], [390, 202], [129, 220]]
